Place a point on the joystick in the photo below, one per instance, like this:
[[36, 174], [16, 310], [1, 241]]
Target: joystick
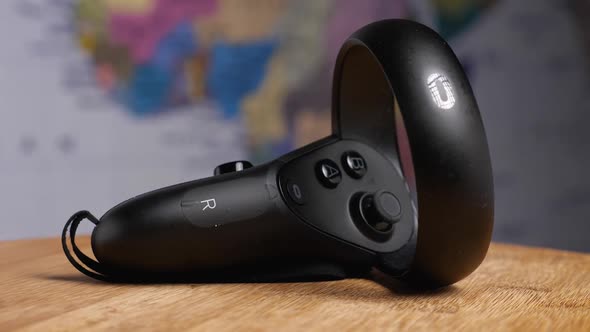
[[380, 210], [337, 207]]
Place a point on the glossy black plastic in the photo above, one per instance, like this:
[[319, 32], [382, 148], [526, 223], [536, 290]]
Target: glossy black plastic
[[388, 66], [283, 216]]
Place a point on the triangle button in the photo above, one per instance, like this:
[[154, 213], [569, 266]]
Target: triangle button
[[328, 173]]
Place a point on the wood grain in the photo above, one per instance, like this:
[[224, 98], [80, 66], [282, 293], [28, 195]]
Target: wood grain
[[516, 288]]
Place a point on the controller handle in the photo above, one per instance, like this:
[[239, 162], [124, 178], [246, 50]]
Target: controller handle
[[231, 226]]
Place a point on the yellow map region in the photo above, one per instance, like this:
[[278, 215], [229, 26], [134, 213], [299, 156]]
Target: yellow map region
[[129, 6]]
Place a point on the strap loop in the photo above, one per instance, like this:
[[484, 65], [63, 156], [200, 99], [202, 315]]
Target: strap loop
[[93, 268]]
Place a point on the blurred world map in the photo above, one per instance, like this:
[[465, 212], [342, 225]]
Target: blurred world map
[[260, 61], [254, 60], [105, 99]]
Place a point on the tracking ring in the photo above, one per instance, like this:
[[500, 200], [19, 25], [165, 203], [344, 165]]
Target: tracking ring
[[395, 69]]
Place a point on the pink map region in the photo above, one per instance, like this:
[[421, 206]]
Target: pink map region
[[141, 33], [350, 15]]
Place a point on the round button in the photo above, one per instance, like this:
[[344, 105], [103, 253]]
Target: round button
[[380, 210], [295, 193], [354, 164], [328, 173]]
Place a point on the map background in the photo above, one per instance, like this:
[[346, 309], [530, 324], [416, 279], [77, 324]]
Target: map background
[[65, 146]]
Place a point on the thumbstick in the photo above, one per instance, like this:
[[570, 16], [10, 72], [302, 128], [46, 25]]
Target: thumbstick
[[380, 210]]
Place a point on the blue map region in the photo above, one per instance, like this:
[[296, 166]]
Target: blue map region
[[451, 25], [148, 89], [236, 71], [152, 82]]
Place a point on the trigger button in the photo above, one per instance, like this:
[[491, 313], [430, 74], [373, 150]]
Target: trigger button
[[234, 166]]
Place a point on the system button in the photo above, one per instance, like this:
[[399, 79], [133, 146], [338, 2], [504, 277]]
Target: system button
[[295, 193]]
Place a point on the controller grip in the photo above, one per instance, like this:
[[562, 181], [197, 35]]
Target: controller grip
[[223, 224]]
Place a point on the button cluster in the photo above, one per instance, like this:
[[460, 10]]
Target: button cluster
[[329, 174], [373, 208]]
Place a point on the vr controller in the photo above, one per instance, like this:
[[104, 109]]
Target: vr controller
[[340, 206]]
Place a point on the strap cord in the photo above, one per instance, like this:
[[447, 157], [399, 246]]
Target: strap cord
[[93, 268]]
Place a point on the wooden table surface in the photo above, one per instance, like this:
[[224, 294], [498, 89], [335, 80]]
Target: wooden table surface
[[516, 288]]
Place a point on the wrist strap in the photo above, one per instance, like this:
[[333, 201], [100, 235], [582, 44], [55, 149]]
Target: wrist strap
[[92, 268]]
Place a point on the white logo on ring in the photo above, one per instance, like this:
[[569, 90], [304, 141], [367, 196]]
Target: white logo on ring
[[441, 91]]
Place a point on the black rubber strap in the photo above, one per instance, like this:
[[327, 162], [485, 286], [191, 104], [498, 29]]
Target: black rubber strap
[[92, 268]]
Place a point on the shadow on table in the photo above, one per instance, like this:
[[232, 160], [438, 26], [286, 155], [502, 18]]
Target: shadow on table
[[374, 287]]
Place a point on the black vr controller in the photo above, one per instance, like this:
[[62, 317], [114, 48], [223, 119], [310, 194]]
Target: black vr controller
[[339, 206]]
